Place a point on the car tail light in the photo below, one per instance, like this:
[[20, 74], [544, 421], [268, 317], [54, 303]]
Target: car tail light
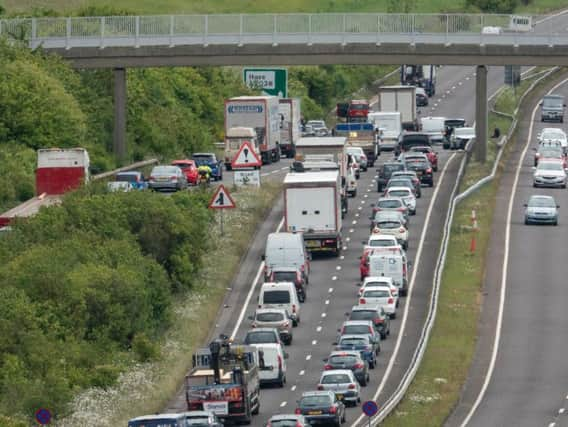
[[375, 210], [327, 367], [401, 230], [298, 411], [333, 409], [378, 321], [320, 387], [358, 366], [352, 387], [401, 209], [362, 301], [279, 362], [370, 330], [253, 325], [152, 178], [293, 308], [391, 301], [376, 230], [286, 324], [298, 424], [173, 178], [428, 170]]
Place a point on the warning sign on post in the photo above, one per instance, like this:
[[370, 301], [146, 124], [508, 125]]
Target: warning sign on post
[[221, 199], [246, 157]]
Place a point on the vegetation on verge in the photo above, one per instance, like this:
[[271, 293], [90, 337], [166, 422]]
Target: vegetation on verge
[[443, 371]]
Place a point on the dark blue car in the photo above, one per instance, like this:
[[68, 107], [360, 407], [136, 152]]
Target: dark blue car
[[321, 407], [210, 159], [361, 343]]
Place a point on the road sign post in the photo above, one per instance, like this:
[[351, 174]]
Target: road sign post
[[370, 408], [245, 164], [222, 200], [272, 81]]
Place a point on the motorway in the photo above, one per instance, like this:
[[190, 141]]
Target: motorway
[[332, 289], [529, 386]]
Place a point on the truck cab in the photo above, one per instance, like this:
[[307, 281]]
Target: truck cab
[[234, 138]]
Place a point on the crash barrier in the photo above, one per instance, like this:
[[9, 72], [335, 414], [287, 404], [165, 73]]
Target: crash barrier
[[124, 169]]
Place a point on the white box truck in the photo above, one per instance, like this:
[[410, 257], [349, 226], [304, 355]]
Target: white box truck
[[401, 99], [388, 126], [312, 205], [261, 114], [290, 117]]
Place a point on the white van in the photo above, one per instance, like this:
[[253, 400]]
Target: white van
[[286, 250], [435, 128], [280, 295], [393, 265], [273, 370]]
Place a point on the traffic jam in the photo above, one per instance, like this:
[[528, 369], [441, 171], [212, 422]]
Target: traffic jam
[[394, 151]]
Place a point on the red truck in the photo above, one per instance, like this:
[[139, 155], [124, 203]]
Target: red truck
[[354, 111], [58, 170]]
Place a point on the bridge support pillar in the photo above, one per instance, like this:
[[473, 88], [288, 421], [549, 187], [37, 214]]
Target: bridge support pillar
[[481, 117], [119, 134]]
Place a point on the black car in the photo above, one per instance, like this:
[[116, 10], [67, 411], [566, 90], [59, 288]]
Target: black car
[[349, 360], [385, 172], [412, 139], [321, 407], [374, 313], [423, 170]]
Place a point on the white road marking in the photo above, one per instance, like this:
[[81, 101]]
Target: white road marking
[[334, 278], [326, 302], [552, 425], [453, 87], [308, 357], [344, 248], [376, 176], [274, 172], [347, 239], [314, 342], [324, 315], [342, 257], [505, 264], [467, 78], [283, 404], [355, 221], [394, 356], [330, 290], [357, 215], [302, 372], [293, 388], [460, 83], [360, 207], [318, 329], [561, 410], [365, 195], [363, 201], [448, 92], [283, 169], [251, 291], [351, 230]]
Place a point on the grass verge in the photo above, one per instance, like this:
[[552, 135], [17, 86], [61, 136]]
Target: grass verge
[[443, 371], [147, 388]]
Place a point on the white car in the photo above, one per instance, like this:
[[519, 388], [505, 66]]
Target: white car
[[380, 281], [380, 295], [381, 241], [359, 155], [393, 227], [407, 196], [343, 383], [351, 182], [549, 174], [554, 134]]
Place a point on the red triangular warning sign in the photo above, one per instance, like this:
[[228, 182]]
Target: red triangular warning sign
[[246, 157], [222, 199]]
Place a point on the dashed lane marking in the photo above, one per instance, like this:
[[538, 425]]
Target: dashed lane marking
[[314, 342], [326, 302], [330, 290], [302, 372], [324, 315], [308, 357], [293, 388], [283, 404], [334, 278], [318, 329]]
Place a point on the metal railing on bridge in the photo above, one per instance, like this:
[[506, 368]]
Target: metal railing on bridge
[[241, 29]]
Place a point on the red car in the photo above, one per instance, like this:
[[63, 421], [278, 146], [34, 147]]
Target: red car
[[189, 168], [430, 153]]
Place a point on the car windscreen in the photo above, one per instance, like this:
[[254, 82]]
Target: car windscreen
[[417, 164], [550, 166], [276, 297], [399, 193], [270, 317], [260, 337], [165, 170], [184, 165], [391, 168], [202, 160], [335, 379], [542, 202], [320, 400], [284, 276], [415, 140], [355, 330], [284, 423], [389, 225], [359, 106], [353, 341], [553, 102], [343, 359], [376, 294], [400, 183], [389, 204], [362, 315], [454, 123], [551, 152], [126, 178], [381, 243]]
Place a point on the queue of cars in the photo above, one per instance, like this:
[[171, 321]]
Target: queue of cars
[[549, 171]]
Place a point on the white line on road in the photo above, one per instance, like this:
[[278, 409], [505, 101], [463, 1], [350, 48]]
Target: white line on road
[[251, 291], [318, 329], [330, 290], [326, 302], [342, 257], [308, 357], [552, 425], [334, 278], [338, 268], [561, 410], [394, 356], [302, 372], [293, 388], [347, 239], [324, 315], [505, 264], [355, 221], [351, 230], [314, 342], [283, 404]]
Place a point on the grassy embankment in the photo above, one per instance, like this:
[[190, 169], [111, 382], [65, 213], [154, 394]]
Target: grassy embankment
[[440, 378]]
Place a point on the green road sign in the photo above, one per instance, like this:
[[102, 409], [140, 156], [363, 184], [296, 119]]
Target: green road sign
[[271, 81]]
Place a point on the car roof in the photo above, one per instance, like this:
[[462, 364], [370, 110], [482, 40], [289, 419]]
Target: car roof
[[399, 188], [352, 336], [285, 269], [382, 236], [337, 371], [270, 310], [263, 330], [366, 307], [358, 323], [318, 393], [157, 417], [345, 353], [369, 279], [403, 173], [541, 196], [285, 417]]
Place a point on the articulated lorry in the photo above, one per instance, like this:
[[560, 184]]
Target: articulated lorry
[[259, 113], [423, 76], [401, 99], [290, 117], [225, 380], [360, 135], [312, 205], [59, 170]]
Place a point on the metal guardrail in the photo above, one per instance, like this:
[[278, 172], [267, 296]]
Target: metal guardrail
[[124, 169], [172, 30], [409, 375]]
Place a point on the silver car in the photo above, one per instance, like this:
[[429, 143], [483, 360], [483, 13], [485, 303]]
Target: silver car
[[167, 178], [276, 318], [541, 210], [202, 419], [549, 174], [343, 383]]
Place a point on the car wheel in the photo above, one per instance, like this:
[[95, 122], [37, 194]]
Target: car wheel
[[228, 167], [354, 193], [526, 221], [556, 222], [363, 382], [383, 335], [393, 315], [289, 342], [431, 184], [435, 168], [372, 364]]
